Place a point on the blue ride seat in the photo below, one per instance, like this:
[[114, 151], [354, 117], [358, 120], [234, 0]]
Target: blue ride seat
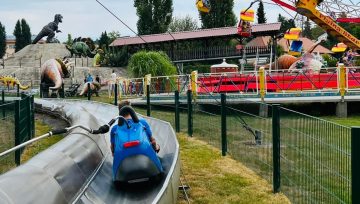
[[296, 48], [134, 157]]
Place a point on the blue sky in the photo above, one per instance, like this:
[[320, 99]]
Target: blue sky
[[87, 18]]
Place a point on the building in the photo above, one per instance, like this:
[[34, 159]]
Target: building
[[10, 45]]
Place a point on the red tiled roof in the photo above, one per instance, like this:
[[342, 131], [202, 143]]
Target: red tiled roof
[[203, 33]]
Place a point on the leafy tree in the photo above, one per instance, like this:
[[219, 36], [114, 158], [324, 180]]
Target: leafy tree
[[261, 13], [104, 40], [2, 40], [69, 40], [307, 29], [286, 24], [221, 14], [154, 15], [25, 32], [316, 31], [154, 63], [183, 24], [18, 36], [113, 35]]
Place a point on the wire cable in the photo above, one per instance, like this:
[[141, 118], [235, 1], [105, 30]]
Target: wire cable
[[120, 20]]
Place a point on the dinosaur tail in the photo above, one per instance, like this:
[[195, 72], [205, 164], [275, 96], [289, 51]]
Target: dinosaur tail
[[38, 37]]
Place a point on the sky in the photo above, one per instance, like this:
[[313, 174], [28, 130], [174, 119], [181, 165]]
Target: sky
[[86, 18]]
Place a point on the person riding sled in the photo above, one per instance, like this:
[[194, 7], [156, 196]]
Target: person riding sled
[[133, 148]]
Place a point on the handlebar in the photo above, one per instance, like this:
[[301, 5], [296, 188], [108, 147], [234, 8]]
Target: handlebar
[[103, 129]]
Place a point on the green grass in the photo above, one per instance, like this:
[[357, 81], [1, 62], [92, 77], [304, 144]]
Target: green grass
[[217, 179], [39, 146]]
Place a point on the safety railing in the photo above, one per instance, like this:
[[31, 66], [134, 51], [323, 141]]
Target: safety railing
[[262, 83], [17, 125]]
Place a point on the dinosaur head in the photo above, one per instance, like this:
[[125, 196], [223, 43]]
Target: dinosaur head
[[58, 18]]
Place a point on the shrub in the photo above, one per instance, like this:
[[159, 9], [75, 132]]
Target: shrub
[[331, 61], [154, 63]]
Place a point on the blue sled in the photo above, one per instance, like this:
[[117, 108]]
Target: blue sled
[[134, 158]]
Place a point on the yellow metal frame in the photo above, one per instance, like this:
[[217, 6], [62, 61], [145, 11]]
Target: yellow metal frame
[[194, 79], [262, 80], [342, 79], [308, 8]]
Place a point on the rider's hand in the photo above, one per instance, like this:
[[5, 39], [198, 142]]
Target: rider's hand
[[58, 31]]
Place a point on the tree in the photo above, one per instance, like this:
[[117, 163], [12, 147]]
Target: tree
[[316, 31], [154, 15], [104, 40], [183, 24], [154, 63], [286, 24], [261, 13], [25, 32], [113, 35], [18, 36], [221, 15], [69, 40], [2, 41], [307, 29]]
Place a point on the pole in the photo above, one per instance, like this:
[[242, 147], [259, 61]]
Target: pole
[[190, 113], [17, 131], [223, 125], [116, 94], [355, 164], [3, 104], [148, 106], [89, 91], [276, 147], [17, 90], [177, 112]]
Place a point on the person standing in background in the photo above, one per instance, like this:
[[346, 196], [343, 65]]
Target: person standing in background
[[112, 84]]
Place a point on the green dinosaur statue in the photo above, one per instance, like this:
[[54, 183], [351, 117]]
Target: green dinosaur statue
[[80, 49]]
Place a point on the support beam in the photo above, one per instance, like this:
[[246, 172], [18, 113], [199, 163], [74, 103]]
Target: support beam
[[341, 110]]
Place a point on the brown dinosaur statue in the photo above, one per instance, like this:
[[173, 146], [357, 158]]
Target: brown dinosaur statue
[[53, 71], [9, 80]]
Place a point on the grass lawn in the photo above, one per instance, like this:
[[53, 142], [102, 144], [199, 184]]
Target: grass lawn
[[217, 179], [37, 147]]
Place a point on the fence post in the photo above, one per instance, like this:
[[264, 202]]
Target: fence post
[[223, 125], [276, 147], [3, 102], [148, 106], [355, 165], [116, 95], [17, 131], [89, 91], [177, 113], [32, 111], [190, 113], [17, 90]]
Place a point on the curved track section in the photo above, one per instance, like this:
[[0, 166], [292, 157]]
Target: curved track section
[[78, 169]]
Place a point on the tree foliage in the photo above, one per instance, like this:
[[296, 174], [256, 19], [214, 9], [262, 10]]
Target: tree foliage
[[22, 34], [2, 41], [104, 41], [307, 29], [261, 13], [183, 24], [221, 15], [26, 33], [154, 63], [154, 15], [113, 35], [286, 24], [69, 40]]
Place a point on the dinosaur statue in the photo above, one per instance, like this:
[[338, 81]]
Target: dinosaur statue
[[9, 80], [49, 30], [306, 61], [53, 71], [80, 49], [94, 86]]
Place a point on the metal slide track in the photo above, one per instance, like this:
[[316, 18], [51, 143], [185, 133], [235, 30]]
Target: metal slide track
[[78, 169]]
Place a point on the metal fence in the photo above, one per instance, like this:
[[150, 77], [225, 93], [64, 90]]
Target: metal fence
[[307, 158], [17, 125]]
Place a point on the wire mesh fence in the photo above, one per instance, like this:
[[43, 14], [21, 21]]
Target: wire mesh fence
[[7, 135], [315, 159]]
